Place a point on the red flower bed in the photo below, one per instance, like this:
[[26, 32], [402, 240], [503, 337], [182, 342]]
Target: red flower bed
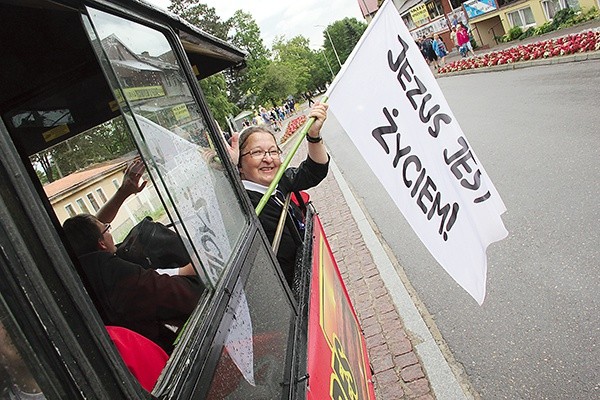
[[292, 127], [570, 44]]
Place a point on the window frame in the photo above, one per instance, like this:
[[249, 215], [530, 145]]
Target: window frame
[[93, 202], [521, 13], [100, 192], [82, 206], [70, 210], [435, 9], [562, 4]]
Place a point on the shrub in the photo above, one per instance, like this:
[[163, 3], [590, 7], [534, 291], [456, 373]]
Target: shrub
[[589, 15], [545, 28], [529, 32], [513, 34], [562, 17]]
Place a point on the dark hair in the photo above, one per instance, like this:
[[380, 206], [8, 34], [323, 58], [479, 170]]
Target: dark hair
[[82, 233], [246, 133]]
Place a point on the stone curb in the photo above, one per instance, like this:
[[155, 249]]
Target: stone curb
[[592, 55]]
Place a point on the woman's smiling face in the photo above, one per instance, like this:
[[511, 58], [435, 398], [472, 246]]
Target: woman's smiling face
[[259, 170]]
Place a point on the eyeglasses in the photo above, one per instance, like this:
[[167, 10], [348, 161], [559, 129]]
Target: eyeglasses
[[106, 228], [259, 154]]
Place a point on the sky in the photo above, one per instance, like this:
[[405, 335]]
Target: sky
[[286, 17]]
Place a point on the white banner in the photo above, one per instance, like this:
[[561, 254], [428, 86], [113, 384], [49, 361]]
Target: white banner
[[388, 101], [186, 174]]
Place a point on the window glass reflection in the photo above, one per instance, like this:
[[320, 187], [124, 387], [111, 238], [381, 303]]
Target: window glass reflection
[[253, 359], [173, 136], [16, 381]]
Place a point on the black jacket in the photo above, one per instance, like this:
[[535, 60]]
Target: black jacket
[[140, 299], [308, 174]]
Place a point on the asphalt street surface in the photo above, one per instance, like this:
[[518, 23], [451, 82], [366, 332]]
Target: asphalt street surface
[[536, 131]]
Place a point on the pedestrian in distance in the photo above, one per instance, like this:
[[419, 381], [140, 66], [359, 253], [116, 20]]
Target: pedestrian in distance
[[454, 39], [440, 48], [464, 40], [430, 54]]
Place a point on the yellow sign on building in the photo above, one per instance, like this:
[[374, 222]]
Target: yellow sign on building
[[419, 14]]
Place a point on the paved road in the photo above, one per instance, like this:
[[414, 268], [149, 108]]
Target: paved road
[[536, 130]]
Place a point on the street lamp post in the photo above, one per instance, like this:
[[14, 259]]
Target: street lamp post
[[332, 45], [329, 65]]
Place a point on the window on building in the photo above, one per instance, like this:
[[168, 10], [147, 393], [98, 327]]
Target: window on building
[[408, 21], [523, 18], [70, 210], [101, 195], [434, 8], [82, 206], [456, 4], [115, 184], [551, 7], [93, 202]]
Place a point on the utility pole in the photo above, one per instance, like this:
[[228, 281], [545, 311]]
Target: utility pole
[[332, 45], [329, 65]]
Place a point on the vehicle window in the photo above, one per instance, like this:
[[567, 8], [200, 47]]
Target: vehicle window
[[172, 135], [252, 362]]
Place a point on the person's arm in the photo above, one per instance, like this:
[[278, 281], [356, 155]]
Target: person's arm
[[130, 185], [233, 148], [187, 269], [146, 294], [316, 150]]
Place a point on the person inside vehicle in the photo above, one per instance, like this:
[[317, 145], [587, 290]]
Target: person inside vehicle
[[151, 304], [258, 157]]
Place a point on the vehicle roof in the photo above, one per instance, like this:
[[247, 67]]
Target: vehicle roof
[[217, 53]]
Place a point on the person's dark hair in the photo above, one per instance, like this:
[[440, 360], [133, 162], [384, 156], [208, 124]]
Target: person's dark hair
[[82, 233], [246, 133]]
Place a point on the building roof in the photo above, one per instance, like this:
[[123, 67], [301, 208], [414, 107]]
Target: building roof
[[79, 179], [368, 7]]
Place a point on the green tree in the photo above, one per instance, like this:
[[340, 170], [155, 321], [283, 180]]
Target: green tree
[[215, 90], [44, 160], [298, 58], [277, 84], [202, 16], [310, 71], [244, 85], [103, 142], [344, 33], [321, 72]]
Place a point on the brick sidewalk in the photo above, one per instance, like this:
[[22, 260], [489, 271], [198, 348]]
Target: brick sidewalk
[[398, 372]]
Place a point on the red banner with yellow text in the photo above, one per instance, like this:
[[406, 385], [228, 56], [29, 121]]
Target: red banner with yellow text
[[334, 333]]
